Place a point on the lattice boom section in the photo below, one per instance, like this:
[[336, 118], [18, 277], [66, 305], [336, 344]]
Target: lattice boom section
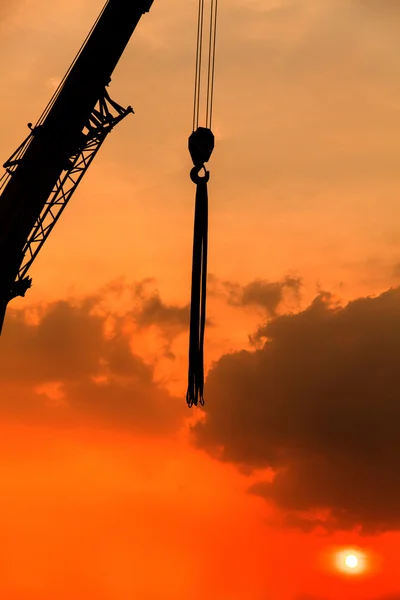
[[100, 123], [52, 210]]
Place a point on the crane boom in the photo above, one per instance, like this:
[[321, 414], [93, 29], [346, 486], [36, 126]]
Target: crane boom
[[43, 173]]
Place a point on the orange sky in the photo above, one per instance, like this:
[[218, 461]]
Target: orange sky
[[108, 491]]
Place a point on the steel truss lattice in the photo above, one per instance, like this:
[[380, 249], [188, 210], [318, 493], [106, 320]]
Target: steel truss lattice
[[103, 118]]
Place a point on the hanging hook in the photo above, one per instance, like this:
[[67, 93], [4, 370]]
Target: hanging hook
[[195, 174]]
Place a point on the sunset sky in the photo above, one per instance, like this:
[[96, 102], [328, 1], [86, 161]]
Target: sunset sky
[[110, 488]]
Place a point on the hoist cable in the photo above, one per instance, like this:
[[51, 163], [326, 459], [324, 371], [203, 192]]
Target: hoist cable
[[199, 52], [211, 61], [212, 40], [62, 82]]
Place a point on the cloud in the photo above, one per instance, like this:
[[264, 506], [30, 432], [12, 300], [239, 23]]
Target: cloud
[[170, 318], [261, 293], [265, 294], [64, 364], [319, 403], [150, 311]]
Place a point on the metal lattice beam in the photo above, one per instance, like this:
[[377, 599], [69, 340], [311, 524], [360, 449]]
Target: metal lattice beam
[[101, 122]]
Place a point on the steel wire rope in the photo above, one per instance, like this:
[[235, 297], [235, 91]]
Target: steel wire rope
[[61, 84], [211, 62], [199, 52], [6, 175], [212, 41]]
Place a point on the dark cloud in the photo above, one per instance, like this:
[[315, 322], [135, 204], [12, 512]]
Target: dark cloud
[[171, 318], [150, 311], [268, 295], [98, 377], [320, 404]]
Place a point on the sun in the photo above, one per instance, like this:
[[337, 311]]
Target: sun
[[351, 561]]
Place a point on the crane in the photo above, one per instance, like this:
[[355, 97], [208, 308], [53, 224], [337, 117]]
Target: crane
[[45, 170]]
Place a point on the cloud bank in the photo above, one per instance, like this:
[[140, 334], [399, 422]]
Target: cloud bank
[[319, 404], [69, 364]]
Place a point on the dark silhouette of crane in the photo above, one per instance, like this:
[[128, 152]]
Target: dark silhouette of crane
[[46, 169]]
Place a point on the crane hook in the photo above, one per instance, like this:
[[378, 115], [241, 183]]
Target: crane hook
[[195, 174]]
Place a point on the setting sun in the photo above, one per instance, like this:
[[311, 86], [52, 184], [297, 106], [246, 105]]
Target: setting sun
[[351, 561]]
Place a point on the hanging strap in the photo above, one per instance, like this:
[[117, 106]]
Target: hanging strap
[[198, 299], [201, 145]]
